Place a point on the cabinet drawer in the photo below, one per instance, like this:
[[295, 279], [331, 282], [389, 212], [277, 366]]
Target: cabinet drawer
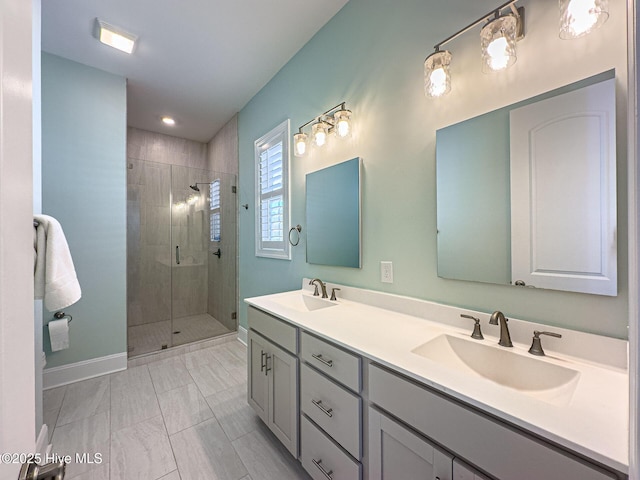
[[320, 453], [481, 440], [274, 329], [334, 361], [336, 410]]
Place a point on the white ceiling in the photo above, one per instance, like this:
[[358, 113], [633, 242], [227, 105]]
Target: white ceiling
[[199, 61]]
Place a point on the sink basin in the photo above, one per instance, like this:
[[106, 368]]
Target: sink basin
[[531, 376], [302, 302]]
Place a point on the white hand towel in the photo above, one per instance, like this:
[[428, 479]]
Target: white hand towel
[[55, 277]]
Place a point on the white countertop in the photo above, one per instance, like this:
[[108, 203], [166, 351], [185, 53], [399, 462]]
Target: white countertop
[[593, 423]]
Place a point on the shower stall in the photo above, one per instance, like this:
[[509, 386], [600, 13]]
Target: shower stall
[[181, 255]]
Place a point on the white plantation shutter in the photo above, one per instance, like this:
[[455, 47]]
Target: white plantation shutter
[[214, 214], [272, 193]]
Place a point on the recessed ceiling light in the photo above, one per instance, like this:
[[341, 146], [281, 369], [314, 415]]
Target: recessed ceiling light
[[168, 121], [115, 37]]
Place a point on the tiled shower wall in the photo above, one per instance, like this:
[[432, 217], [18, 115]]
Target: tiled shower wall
[[159, 148], [222, 156], [202, 284]]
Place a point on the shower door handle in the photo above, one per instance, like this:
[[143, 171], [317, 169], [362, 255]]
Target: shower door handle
[[217, 253], [177, 254]]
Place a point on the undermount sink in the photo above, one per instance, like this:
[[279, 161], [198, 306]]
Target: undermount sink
[[303, 303], [531, 376]]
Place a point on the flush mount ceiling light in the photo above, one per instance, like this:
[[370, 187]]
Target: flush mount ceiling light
[[168, 121], [115, 37], [336, 120], [580, 17], [498, 39]]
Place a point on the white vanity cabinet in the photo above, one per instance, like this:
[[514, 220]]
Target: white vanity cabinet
[[396, 452], [499, 449], [331, 410], [273, 376]]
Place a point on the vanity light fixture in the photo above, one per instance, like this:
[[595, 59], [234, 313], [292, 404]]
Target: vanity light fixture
[[498, 43], [115, 37], [580, 17], [336, 120], [437, 79], [497, 39]]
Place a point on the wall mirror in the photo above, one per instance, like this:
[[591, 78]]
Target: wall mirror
[[526, 194], [333, 215]]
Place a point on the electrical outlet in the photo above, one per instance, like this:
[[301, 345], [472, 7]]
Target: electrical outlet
[[386, 272]]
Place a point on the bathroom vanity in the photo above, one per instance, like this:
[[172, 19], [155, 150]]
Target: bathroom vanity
[[377, 386]]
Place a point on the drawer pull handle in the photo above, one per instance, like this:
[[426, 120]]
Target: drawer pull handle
[[267, 368], [262, 362], [318, 463], [326, 411], [318, 356]]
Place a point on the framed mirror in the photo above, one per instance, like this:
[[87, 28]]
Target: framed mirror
[[333, 204], [526, 194]]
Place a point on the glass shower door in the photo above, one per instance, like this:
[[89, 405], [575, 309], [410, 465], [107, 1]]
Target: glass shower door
[[148, 256], [203, 233]]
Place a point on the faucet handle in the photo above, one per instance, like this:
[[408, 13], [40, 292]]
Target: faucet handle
[[477, 333], [333, 294], [536, 345], [315, 291]]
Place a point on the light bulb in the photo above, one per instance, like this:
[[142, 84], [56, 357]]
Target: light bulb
[[319, 133], [301, 148], [498, 56], [342, 120], [438, 80], [342, 128], [580, 17]]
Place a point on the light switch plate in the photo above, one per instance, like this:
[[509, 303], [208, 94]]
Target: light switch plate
[[386, 272]]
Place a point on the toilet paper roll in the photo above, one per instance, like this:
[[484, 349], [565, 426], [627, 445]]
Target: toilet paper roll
[[59, 334]]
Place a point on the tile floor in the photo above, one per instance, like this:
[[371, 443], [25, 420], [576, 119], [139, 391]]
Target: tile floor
[[150, 337], [180, 418]]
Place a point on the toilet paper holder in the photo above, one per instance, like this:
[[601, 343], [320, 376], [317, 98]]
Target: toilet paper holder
[[61, 315]]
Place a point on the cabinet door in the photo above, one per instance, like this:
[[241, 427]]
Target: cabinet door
[[282, 368], [258, 382], [396, 452]]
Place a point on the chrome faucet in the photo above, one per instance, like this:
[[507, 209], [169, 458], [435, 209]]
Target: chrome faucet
[[505, 338], [322, 286]]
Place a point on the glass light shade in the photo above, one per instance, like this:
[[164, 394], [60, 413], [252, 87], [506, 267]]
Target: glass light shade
[[580, 17], [320, 131], [437, 79], [498, 43], [300, 144], [342, 122]]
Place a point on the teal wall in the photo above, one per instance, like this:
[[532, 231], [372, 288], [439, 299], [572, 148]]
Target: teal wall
[[371, 56], [83, 186]]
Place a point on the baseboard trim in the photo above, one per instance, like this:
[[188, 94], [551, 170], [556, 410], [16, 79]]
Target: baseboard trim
[[242, 334], [74, 372], [42, 443]]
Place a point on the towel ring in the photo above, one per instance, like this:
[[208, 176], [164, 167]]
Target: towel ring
[[61, 315], [298, 228]]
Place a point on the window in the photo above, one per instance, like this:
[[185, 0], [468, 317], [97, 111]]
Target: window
[[214, 206], [272, 193]]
